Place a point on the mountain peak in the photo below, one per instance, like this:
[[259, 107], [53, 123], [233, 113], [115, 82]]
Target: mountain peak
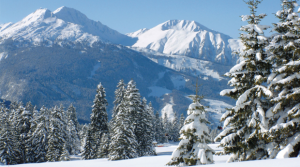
[[71, 15], [39, 14], [182, 25]]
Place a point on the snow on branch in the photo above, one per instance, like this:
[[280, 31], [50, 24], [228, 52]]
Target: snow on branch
[[284, 153]]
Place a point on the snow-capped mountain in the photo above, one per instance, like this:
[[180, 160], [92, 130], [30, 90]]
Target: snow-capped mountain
[[64, 24], [188, 38], [47, 71]]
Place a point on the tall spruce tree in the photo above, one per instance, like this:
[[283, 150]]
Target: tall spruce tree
[[99, 125], [123, 141], [72, 127], [194, 136], [89, 147], [83, 135], [145, 127], [119, 96], [57, 134], [9, 151], [245, 123], [159, 132], [284, 48], [175, 128], [39, 136]]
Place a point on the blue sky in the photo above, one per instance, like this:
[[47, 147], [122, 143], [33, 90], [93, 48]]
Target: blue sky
[[130, 15]]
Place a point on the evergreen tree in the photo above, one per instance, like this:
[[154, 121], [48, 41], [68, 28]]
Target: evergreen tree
[[57, 134], [159, 132], [38, 139], [72, 127], [99, 124], [175, 129], [133, 104], [284, 82], [9, 152], [193, 148], [89, 147], [246, 122], [145, 129], [83, 135], [152, 119], [119, 95], [123, 141]]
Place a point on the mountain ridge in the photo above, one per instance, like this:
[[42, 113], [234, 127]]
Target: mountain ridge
[[62, 24], [188, 38]]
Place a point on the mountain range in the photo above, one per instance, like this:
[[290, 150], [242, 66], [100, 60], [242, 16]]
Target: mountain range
[[52, 58]]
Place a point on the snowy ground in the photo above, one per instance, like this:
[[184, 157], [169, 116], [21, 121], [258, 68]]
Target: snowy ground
[[164, 155]]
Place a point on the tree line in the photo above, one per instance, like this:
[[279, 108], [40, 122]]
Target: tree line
[[28, 135]]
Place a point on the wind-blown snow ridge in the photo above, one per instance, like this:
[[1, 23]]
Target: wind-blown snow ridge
[[188, 38], [64, 24]]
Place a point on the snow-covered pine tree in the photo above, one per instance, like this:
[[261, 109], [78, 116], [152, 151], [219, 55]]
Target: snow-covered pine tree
[[56, 134], [284, 48], [175, 129], [83, 135], [119, 95], [194, 136], [133, 105], [144, 131], [38, 139], [159, 132], [123, 143], [9, 151], [152, 117], [245, 123], [72, 126], [99, 123], [89, 147]]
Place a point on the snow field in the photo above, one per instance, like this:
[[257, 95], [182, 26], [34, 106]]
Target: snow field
[[163, 156]]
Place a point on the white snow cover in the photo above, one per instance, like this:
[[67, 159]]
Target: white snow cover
[[163, 156], [189, 38], [168, 108], [62, 24], [192, 66]]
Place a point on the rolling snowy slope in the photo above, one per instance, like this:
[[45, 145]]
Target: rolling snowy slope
[[65, 25], [188, 38]]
